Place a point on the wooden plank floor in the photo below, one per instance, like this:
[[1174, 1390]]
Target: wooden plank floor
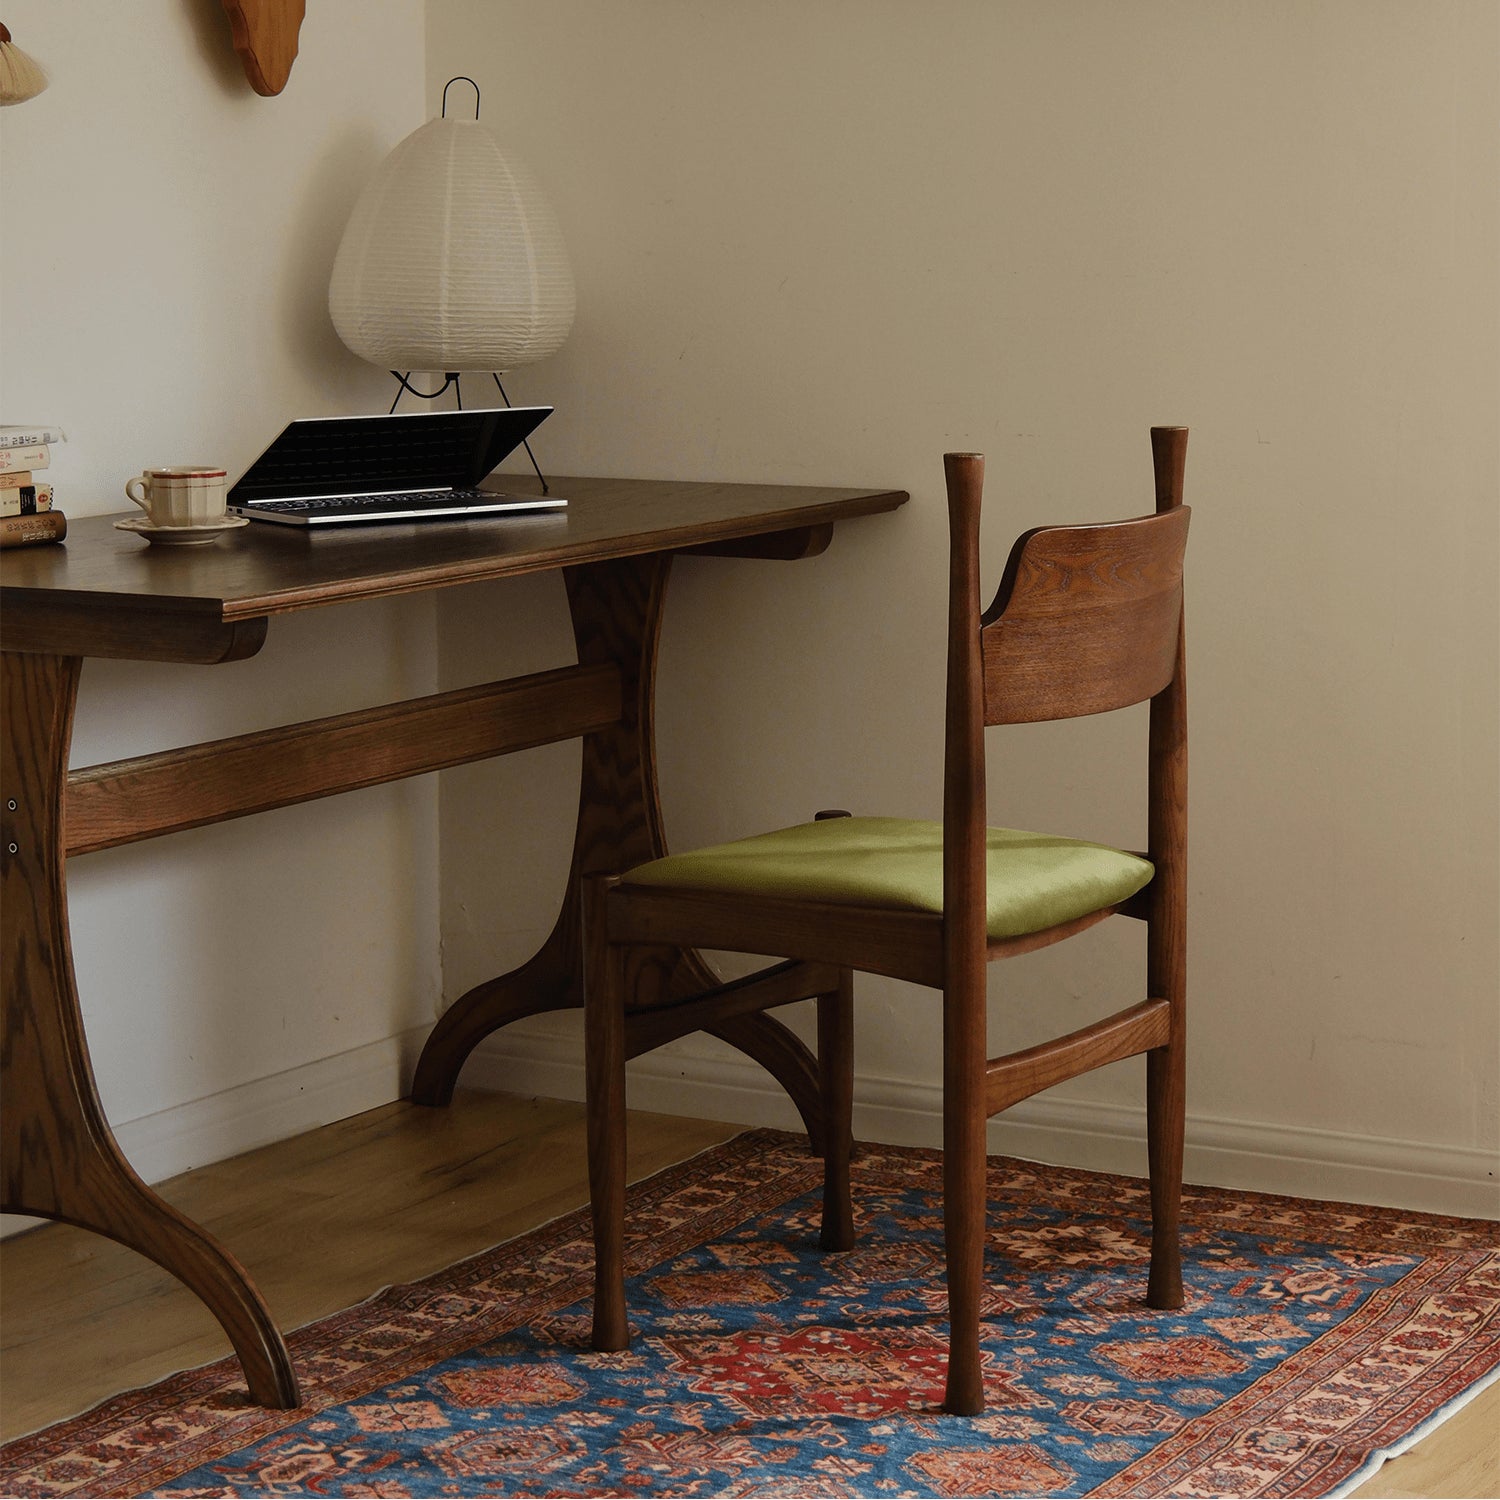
[[325, 1219]]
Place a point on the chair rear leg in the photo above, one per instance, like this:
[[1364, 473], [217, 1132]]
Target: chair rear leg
[[604, 1052], [836, 1097], [1165, 1111]]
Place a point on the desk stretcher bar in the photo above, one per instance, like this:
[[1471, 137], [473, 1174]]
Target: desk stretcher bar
[[124, 801]]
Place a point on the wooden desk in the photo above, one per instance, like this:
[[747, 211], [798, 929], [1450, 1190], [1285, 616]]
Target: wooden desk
[[105, 594]]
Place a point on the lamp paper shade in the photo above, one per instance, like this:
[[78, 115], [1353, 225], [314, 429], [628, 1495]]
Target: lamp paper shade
[[452, 259]]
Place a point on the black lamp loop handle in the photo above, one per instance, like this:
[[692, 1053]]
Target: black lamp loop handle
[[461, 78]]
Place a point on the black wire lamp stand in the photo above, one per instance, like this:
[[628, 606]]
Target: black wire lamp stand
[[453, 378]]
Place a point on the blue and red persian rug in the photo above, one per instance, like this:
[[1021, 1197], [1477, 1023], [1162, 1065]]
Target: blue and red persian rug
[[1316, 1338]]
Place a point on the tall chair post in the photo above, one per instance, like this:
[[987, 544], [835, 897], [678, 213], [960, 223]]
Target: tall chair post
[[964, 959], [1166, 942]]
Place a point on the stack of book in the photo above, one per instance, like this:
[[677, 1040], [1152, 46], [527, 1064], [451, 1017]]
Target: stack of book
[[28, 515]]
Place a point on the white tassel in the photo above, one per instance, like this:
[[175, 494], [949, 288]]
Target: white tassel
[[20, 76]]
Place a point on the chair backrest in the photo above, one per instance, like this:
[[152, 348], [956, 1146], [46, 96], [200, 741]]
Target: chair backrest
[[1086, 619]]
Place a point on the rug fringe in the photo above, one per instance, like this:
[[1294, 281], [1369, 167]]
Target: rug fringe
[[1382, 1456]]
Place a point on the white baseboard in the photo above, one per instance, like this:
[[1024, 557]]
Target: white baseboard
[[528, 1058], [169, 1141]]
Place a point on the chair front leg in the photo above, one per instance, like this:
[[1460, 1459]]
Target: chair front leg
[[836, 1099], [604, 1053], [964, 1122]]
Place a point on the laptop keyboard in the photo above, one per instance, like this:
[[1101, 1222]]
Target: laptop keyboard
[[373, 502]]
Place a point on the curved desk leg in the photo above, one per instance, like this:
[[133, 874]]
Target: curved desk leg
[[58, 1154], [617, 609], [784, 1055]]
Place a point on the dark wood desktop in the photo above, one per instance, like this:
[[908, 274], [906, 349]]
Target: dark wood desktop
[[105, 594]]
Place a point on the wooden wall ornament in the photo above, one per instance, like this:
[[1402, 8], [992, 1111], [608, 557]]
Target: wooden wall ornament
[[21, 76], [265, 36]]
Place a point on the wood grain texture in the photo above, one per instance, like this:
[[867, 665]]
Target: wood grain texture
[[265, 36], [1127, 1033], [1085, 620], [784, 984], [153, 631], [780, 546], [604, 1068], [786, 1057], [965, 959], [836, 1095], [149, 795], [58, 1156], [322, 1220], [264, 570], [901, 945], [1166, 925], [616, 609], [105, 595], [616, 612]]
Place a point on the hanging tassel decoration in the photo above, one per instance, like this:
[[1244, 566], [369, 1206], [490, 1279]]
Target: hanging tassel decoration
[[21, 77]]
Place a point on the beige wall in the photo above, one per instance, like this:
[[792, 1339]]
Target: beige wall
[[824, 242], [164, 255]]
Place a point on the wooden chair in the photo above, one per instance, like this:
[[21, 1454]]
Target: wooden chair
[[1087, 619]]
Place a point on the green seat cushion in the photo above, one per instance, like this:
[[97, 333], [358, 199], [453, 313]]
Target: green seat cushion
[[1036, 880]]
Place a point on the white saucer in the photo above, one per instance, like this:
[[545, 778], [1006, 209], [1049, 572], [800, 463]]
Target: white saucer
[[181, 536]]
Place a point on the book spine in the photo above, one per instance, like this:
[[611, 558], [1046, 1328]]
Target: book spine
[[30, 531], [37, 457], [13, 479], [25, 500], [29, 437]]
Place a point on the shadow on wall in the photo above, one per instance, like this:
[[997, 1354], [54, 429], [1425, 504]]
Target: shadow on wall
[[312, 241], [215, 43]]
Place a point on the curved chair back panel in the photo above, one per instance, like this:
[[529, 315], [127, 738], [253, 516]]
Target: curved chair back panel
[[1085, 620]]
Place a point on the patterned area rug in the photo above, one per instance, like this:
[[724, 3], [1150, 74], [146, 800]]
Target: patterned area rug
[[1316, 1338]]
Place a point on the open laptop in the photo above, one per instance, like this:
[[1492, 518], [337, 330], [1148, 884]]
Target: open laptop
[[336, 471]]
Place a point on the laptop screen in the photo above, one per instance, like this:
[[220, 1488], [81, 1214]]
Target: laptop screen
[[387, 453]]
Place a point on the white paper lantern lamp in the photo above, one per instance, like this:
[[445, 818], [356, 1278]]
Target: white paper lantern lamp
[[452, 260]]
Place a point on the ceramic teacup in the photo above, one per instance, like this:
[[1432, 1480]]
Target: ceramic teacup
[[179, 494]]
